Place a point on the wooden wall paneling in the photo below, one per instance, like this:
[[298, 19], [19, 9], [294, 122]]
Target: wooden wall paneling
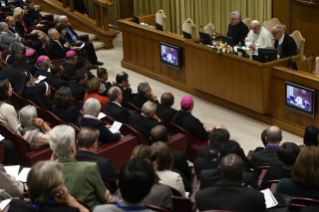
[[126, 8], [281, 10]]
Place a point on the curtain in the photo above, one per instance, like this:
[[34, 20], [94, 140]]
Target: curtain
[[203, 12]]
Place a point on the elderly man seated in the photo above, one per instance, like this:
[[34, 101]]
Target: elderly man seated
[[7, 37], [44, 64], [56, 50], [285, 45], [82, 179], [258, 37]]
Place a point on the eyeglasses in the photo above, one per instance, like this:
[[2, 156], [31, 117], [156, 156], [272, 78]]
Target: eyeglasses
[[274, 33]]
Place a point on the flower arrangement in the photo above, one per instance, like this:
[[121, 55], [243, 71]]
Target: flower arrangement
[[223, 48]]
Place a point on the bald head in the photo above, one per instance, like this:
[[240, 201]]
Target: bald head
[[273, 135], [167, 99], [115, 94], [231, 168], [220, 126], [159, 133]]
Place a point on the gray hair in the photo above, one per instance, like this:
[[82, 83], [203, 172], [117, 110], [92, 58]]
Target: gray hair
[[92, 107], [27, 115], [238, 15], [149, 107], [61, 140], [142, 88], [255, 22], [15, 47], [50, 32], [113, 92], [62, 17], [2, 24], [43, 61], [279, 28]]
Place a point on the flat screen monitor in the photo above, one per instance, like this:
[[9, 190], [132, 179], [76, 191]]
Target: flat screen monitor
[[266, 55], [205, 38], [170, 55], [136, 19], [300, 99], [159, 26], [187, 35], [293, 64], [228, 40]]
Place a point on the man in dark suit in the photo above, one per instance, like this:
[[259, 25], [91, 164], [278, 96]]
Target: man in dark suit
[[55, 48], [160, 133], [144, 94], [85, 65], [268, 156], [69, 64], [55, 78], [122, 82], [237, 29], [78, 86], [114, 107], [44, 64], [72, 36], [103, 77], [12, 72], [211, 161], [228, 193], [87, 141], [165, 110], [145, 121], [285, 45]]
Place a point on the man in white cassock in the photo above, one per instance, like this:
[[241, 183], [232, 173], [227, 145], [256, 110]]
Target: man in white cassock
[[258, 37]]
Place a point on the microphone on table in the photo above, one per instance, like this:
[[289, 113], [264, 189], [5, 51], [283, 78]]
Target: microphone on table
[[181, 25], [272, 40], [154, 18]]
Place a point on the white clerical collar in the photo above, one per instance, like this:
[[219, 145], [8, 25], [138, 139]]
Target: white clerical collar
[[281, 40]]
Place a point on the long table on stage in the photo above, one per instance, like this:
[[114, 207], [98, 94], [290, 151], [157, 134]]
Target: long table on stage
[[238, 83]]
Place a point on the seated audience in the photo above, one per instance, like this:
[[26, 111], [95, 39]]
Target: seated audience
[[268, 156], [32, 58], [91, 110], [209, 177], [10, 184], [160, 195], [160, 133], [7, 37], [56, 50], [78, 86], [186, 120], [84, 64], [145, 121], [82, 179], [14, 49], [44, 64], [211, 161], [87, 141], [47, 191], [33, 129], [287, 153], [23, 24], [114, 107], [311, 136], [62, 106], [42, 94], [55, 79], [144, 94], [12, 72], [164, 165], [93, 86], [122, 82], [103, 77], [136, 179], [8, 115], [164, 109], [285, 45], [69, 64], [228, 194], [25, 86], [304, 176], [73, 37]]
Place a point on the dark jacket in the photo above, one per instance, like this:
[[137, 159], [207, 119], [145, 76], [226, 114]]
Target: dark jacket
[[229, 195], [289, 47], [28, 93], [108, 172], [139, 101], [106, 136], [67, 114], [69, 69], [190, 124], [77, 90], [32, 69], [116, 112], [43, 73], [21, 205], [276, 172], [181, 164], [265, 157], [165, 113], [12, 73], [209, 161], [209, 177], [56, 51], [238, 33], [57, 82], [27, 23], [126, 93]]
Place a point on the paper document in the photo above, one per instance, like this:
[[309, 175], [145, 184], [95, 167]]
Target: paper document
[[23, 175], [270, 200], [101, 115], [40, 78], [12, 170], [1, 137], [243, 47], [4, 203], [116, 126], [83, 44]]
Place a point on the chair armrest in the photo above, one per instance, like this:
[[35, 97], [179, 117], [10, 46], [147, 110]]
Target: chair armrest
[[44, 153], [7, 8], [250, 153], [12, 2], [31, 36], [29, 43], [178, 142], [84, 38], [78, 44], [41, 28], [44, 22]]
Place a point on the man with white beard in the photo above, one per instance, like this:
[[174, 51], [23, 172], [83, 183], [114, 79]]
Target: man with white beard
[[258, 37]]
